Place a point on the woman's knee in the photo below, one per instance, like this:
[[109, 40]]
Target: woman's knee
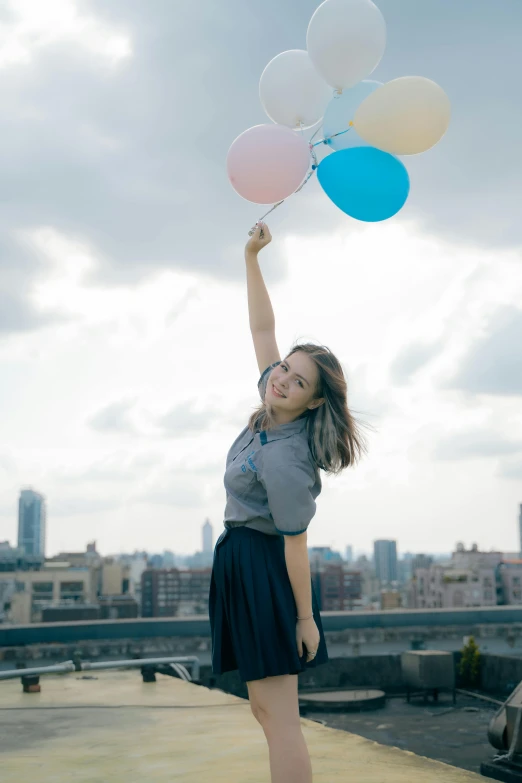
[[256, 710], [273, 716], [274, 702]]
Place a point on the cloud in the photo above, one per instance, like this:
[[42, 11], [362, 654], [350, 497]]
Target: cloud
[[510, 469], [114, 418], [369, 404], [117, 119], [411, 359], [184, 420], [18, 315], [177, 491], [493, 365], [7, 464], [29, 29], [117, 467], [181, 421], [475, 444], [81, 505]]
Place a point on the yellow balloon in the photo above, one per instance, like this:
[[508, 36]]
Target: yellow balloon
[[405, 116]]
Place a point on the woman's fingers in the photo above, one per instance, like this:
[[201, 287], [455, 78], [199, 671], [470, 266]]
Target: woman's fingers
[[261, 232], [266, 231], [299, 641]]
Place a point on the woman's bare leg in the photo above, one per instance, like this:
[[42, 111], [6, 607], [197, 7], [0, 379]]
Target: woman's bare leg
[[275, 706]]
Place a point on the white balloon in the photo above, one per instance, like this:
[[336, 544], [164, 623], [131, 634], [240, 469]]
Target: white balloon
[[292, 92], [346, 40]]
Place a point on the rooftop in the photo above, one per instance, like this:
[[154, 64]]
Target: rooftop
[[455, 734], [110, 726]]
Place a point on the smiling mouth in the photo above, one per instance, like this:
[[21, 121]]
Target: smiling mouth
[[278, 393]]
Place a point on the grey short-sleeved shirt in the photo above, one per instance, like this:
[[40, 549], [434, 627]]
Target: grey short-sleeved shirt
[[271, 479]]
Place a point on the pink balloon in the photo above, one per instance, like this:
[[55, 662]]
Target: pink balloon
[[267, 163]]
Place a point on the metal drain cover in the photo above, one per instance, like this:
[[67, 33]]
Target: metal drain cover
[[346, 700]]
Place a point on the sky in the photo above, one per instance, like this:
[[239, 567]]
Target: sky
[[126, 362]]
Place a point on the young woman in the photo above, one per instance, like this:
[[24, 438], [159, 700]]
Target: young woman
[[263, 610]]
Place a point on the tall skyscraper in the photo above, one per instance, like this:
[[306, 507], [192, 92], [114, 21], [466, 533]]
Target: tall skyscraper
[[385, 555], [520, 528], [32, 518], [208, 536], [348, 556]]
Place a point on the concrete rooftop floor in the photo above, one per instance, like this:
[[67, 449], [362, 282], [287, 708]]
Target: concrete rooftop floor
[[114, 727]]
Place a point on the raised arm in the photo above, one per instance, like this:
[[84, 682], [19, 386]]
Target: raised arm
[[261, 315]]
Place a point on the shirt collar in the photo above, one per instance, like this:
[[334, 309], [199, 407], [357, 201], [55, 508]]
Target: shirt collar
[[283, 430]]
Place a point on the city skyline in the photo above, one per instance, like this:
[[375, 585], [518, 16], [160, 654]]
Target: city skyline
[[125, 355], [383, 552], [37, 586]]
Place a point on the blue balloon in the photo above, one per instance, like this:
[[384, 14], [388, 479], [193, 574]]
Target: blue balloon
[[341, 111], [366, 183]]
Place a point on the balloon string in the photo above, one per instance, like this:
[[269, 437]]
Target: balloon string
[[266, 214], [327, 138], [314, 166], [301, 186]]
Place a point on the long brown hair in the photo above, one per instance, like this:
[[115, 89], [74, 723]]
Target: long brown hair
[[335, 436]]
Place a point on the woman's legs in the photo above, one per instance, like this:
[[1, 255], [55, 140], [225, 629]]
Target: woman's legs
[[275, 705]]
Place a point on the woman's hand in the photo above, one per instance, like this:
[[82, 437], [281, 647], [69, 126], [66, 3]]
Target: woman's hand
[[307, 633], [259, 239]]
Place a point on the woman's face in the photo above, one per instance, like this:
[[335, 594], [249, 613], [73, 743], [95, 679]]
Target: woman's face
[[292, 386]]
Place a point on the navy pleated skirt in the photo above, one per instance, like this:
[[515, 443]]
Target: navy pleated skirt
[[252, 608]]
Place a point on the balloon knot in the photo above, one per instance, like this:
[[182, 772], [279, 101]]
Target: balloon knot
[[350, 124], [314, 167]]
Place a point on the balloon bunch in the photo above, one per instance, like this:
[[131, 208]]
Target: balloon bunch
[[365, 124]]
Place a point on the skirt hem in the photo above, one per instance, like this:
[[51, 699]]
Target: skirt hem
[[256, 676]]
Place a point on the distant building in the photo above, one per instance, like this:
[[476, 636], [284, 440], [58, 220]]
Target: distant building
[[15, 559], [156, 561], [470, 578], [55, 585], [471, 559], [169, 559], [421, 561], [390, 599], [78, 559], [520, 529], [370, 584], [70, 614], [509, 582], [137, 564], [118, 607], [31, 522], [207, 536], [111, 575], [66, 582], [446, 587], [348, 554], [172, 592], [113, 578], [323, 554], [385, 556], [337, 587], [199, 560]]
